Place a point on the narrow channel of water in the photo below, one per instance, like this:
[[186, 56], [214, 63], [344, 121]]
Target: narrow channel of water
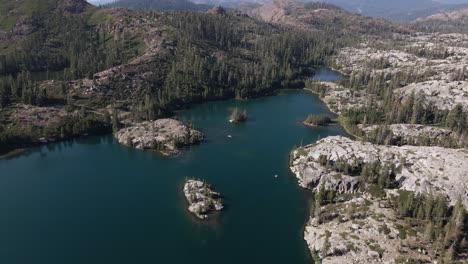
[[94, 201]]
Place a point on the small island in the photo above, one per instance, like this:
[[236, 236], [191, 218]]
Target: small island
[[201, 198], [238, 116], [317, 120], [164, 135]]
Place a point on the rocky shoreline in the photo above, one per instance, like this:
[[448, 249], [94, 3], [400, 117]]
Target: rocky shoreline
[[33, 126], [364, 229], [164, 135], [366, 224], [431, 170], [202, 200]]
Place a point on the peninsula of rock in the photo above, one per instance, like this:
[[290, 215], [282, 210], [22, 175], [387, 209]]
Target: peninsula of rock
[[375, 190]]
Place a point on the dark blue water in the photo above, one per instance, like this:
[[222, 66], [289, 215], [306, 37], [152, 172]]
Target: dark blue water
[[94, 201], [327, 75]]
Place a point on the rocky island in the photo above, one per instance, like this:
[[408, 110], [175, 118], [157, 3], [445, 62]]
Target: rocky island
[[317, 120], [238, 116], [201, 198], [163, 135]]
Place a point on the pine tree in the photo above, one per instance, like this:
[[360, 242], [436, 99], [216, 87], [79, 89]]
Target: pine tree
[[429, 231], [449, 255], [326, 244], [115, 120]]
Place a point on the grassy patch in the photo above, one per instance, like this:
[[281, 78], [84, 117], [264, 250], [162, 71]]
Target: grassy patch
[[376, 191], [348, 127], [301, 152]]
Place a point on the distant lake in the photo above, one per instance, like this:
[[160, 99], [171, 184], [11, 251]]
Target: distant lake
[[327, 75], [94, 201]]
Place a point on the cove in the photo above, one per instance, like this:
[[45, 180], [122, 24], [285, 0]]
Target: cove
[[94, 201]]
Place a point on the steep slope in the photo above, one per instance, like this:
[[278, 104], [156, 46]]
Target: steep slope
[[382, 8], [54, 35], [13, 13], [160, 5], [319, 16], [423, 12], [89, 63], [398, 10], [449, 22]]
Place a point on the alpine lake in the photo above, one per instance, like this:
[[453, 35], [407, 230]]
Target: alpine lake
[[94, 201]]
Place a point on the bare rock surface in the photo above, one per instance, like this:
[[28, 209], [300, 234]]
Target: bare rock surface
[[442, 75], [339, 99], [361, 231], [201, 198], [443, 94], [164, 135], [433, 170], [417, 134], [216, 10], [413, 131]]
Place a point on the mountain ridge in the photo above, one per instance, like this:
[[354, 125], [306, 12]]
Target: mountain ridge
[[319, 16], [449, 22], [161, 5]]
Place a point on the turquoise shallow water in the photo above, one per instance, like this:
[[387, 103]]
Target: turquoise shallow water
[[94, 201]]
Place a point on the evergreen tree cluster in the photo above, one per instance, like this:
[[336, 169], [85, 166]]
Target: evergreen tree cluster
[[83, 122], [222, 56], [318, 120], [64, 47], [446, 228], [209, 57], [388, 108], [376, 173]]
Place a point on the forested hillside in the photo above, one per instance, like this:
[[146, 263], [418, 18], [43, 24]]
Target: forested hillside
[[88, 63], [66, 39]]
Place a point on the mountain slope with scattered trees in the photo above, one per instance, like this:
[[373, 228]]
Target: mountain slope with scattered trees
[[107, 66], [320, 16], [453, 21], [170, 5]]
